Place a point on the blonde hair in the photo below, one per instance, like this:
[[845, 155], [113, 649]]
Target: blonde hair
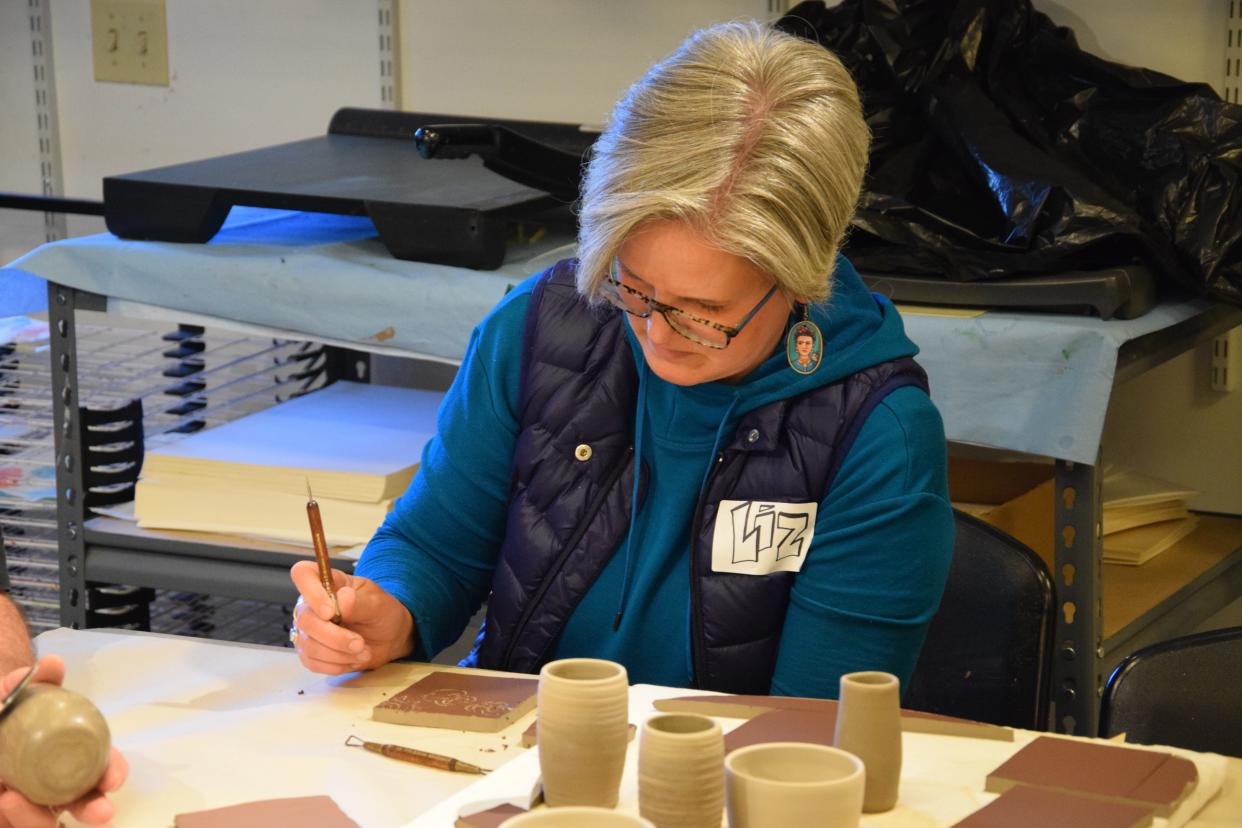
[[753, 137]]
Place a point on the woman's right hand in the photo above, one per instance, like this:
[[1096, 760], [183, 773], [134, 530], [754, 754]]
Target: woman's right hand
[[375, 627]]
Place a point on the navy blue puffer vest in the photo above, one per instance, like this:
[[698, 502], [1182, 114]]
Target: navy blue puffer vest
[[569, 515]]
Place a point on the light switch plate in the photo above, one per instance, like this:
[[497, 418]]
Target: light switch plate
[[129, 39]]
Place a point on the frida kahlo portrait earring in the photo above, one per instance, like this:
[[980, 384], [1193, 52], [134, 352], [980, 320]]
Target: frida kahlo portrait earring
[[804, 346]]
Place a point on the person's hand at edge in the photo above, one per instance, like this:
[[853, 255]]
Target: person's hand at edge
[[93, 809]]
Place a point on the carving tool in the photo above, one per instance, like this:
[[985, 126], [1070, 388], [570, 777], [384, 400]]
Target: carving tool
[[321, 551], [417, 757], [17, 690]]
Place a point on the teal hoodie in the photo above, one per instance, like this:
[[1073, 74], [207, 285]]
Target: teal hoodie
[[883, 533]]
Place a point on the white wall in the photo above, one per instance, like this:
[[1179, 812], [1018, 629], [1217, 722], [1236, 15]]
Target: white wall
[[19, 148], [246, 73], [249, 73], [1169, 423], [543, 60], [1182, 38], [242, 74]]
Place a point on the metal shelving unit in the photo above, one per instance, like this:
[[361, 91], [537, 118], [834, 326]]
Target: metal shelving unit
[[1083, 655], [185, 383]]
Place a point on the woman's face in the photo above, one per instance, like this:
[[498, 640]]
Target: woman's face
[[803, 345], [670, 262]]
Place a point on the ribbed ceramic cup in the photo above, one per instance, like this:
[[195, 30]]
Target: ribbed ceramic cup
[[681, 771], [869, 726], [793, 783], [575, 817], [582, 732], [54, 745]]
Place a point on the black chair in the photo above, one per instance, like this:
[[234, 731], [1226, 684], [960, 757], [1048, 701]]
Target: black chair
[[988, 651], [1185, 692]]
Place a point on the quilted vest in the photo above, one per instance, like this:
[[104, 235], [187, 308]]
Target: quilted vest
[[573, 467]]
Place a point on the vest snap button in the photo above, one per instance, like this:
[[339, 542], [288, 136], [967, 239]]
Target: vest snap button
[[583, 452], [753, 436]]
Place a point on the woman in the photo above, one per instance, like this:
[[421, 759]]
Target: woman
[[785, 525]]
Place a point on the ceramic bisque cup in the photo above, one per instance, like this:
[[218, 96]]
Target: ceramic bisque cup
[[869, 726], [793, 783], [681, 771], [54, 745], [582, 732], [575, 817]]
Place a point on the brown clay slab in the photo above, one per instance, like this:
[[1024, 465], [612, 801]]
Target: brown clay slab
[[491, 818], [784, 726], [530, 735], [747, 707], [1025, 807], [303, 811], [460, 701], [1143, 777], [1169, 785]]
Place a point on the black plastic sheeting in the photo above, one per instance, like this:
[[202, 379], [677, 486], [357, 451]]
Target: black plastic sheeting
[[1001, 148]]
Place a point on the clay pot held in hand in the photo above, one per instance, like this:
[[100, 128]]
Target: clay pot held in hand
[[54, 745], [681, 771], [869, 726], [583, 731]]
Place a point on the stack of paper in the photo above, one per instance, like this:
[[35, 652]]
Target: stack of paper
[[1143, 516], [357, 446]]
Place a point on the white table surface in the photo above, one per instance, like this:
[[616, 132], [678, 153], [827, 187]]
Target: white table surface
[[206, 724]]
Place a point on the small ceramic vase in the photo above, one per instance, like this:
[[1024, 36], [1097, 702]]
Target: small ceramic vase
[[869, 726], [583, 731], [54, 745], [681, 771], [575, 817], [793, 784]]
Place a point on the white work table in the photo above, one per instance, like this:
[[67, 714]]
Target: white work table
[[205, 724]]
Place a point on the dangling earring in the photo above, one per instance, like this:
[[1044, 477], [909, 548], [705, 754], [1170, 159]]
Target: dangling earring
[[804, 346]]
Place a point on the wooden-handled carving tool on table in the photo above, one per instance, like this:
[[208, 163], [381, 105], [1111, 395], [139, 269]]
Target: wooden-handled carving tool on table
[[321, 551], [417, 757]]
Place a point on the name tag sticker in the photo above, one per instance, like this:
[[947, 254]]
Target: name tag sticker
[[755, 537]]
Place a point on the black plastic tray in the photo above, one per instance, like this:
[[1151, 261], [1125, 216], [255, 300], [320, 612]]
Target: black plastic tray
[[453, 212]]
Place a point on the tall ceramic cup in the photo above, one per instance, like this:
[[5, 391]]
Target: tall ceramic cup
[[582, 731], [681, 771], [793, 783], [54, 745], [869, 726]]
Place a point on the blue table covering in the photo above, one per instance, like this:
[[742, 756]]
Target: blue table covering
[[1029, 382]]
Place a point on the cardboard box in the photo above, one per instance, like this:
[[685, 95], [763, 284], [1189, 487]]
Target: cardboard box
[[1017, 498]]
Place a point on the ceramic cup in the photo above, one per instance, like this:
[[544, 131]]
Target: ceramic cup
[[582, 732], [793, 783], [54, 745], [681, 771], [575, 817], [869, 726]]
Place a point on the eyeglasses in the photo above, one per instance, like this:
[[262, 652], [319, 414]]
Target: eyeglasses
[[694, 328]]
